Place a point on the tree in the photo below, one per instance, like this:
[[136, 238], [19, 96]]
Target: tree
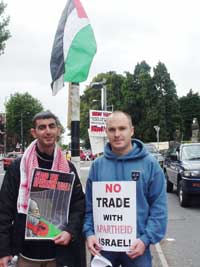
[[169, 116], [114, 90], [91, 100], [138, 101], [4, 32], [143, 106], [20, 109], [190, 109], [150, 100]]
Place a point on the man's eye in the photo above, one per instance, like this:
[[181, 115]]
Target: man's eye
[[52, 126], [41, 127]]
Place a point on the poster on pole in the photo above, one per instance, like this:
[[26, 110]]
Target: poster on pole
[[114, 213], [98, 122], [97, 143], [48, 203]]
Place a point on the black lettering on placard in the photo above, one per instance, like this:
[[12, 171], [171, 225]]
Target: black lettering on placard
[[113, 202], [112, 217], [114, 242]]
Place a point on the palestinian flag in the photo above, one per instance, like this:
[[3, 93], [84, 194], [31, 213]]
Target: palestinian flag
[[74, 47]]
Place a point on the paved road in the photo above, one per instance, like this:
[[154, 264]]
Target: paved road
[[182, 242]]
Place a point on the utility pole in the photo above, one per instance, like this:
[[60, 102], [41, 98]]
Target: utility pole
[[22, 133], [5, 135], [101, 85], [157, 128]]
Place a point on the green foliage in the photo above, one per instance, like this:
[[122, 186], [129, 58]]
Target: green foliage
[[139, 98], [20, 109], [4, 32], [169, 116], [190, 109], [150, 99], [91, 100]]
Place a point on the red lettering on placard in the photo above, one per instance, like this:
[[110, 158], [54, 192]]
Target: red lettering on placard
[[96, 113], [97, 129], [113, 188]]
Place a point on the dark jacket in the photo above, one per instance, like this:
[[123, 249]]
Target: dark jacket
[[12, 224]]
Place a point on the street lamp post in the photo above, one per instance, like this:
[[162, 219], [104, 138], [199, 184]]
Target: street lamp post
[[157, 128], [22, 128], [22, 132], [3, 131], [101, 85], [108, 107], [5, 136]]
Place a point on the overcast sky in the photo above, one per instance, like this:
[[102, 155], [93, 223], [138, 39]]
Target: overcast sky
[[126, 32]]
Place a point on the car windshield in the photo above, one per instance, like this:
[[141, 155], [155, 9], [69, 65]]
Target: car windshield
[[191, 152], [13, 155], [10, 156]]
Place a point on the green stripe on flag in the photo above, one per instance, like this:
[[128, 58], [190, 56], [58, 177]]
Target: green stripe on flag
[[80, 55]]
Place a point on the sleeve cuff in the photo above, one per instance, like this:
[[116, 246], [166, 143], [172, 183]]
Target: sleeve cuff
[[145, 240]]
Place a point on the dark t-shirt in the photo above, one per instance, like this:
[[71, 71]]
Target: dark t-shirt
[[42, 249]]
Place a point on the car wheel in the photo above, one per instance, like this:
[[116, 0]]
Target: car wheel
[[169, 185], [183, 197]]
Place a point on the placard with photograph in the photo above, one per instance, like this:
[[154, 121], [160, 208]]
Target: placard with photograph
[[48, 204]]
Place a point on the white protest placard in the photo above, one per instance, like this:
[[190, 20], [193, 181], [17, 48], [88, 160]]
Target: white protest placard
[[114, 213], [97, 143], [98, 122]]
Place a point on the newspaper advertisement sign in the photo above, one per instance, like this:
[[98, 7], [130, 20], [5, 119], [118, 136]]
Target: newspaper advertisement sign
[[98, 122], [114, 211], [48, 203], [97, 143]]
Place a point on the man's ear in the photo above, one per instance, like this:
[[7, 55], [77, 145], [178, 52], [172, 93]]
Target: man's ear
[[32, 131], [59, 131], [132, 131]]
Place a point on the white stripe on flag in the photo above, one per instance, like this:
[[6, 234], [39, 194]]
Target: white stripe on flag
[[73, 25]]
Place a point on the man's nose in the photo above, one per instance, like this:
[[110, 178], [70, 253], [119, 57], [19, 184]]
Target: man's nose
[[48, 129], [117, 133]]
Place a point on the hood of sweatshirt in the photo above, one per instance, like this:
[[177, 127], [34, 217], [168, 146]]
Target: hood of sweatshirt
[[138, 151]]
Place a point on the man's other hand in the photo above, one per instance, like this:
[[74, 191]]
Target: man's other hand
[[137, 249], [4, 261], [93, 245], [63, 238]]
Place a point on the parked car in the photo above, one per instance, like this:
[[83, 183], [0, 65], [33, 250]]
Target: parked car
[[87, 155], [82, 154], [154, 151], [182, 169], [9, 158]]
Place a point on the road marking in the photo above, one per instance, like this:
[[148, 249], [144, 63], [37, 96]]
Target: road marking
[[85, 168], [161, 255], [170, 239]]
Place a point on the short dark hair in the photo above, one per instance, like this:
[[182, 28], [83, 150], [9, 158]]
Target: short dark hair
[[47, 114]]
